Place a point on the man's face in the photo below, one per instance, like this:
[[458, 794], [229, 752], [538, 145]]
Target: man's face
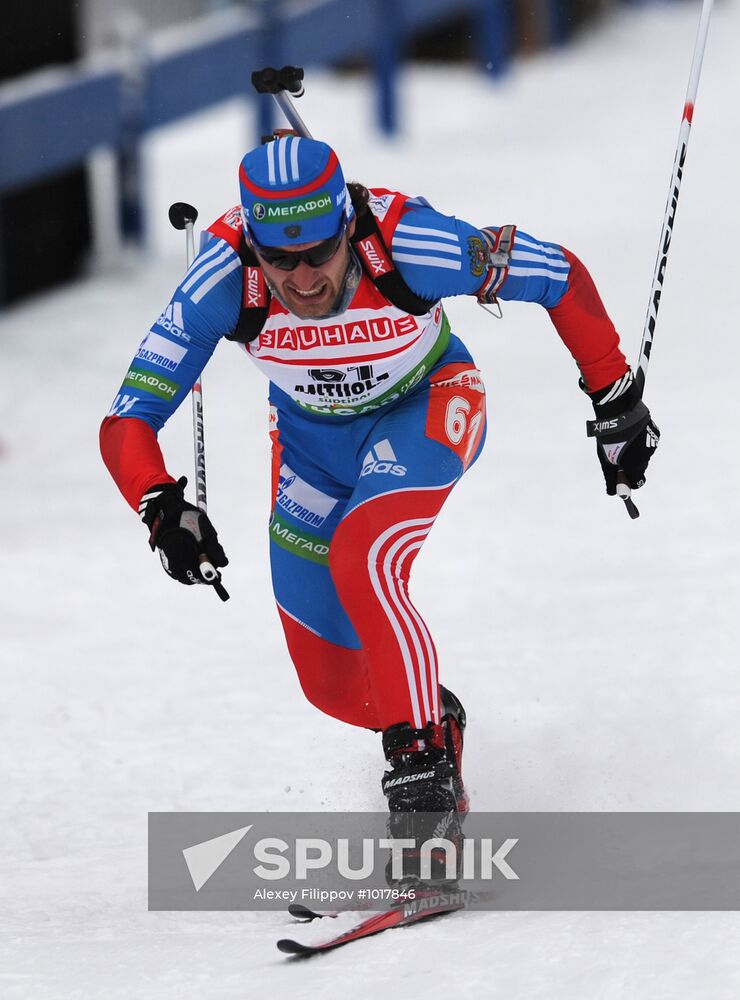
[[310, 291]]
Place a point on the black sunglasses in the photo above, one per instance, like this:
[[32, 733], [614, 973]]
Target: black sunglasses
[[288, 260]]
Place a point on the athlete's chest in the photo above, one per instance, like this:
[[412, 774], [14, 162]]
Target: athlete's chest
[[371, 328]]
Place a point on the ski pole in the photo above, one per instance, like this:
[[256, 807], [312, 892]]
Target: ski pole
[[673, 192], [184, 216], [623, 490], [280, 83]]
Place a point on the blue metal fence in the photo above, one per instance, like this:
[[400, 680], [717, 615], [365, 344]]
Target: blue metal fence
[[55, 121], [52, 121]]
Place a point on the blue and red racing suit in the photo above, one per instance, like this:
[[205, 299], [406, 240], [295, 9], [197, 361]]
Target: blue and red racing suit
[[375, 415]]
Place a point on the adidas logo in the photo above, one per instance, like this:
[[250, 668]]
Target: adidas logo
[[382, 458], [171, 320]]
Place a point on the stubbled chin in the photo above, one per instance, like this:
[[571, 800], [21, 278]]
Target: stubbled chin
[[314, 306]]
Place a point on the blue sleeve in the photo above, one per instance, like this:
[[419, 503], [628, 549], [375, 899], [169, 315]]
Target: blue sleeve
[[538, 272], [433, 252], [440, 255], [204, 307]]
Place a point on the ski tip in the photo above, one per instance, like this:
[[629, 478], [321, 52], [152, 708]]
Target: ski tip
[[290, 947], [301, 912]]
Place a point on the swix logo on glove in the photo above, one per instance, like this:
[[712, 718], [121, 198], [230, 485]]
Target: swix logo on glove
[[605, 425]]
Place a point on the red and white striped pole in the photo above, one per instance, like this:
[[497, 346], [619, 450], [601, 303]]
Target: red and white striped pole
[[673, 192], [623, 490]]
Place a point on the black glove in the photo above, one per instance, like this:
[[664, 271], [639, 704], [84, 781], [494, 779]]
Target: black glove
[[626, 437], [182, 533]]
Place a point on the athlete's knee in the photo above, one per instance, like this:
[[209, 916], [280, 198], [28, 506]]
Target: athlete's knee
[[348, 550], [332, 677], [387, 530]]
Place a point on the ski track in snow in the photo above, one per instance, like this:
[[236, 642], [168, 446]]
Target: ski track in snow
[[597, 656]]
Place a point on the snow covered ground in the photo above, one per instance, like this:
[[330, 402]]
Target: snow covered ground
[[598, 657]]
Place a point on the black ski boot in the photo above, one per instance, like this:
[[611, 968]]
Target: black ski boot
[[422, 801], [453, 724]]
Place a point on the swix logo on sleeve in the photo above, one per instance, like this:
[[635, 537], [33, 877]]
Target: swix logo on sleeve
[[254, 288], [375, 256]]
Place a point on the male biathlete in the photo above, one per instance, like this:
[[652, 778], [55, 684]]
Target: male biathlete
[[376, 411]]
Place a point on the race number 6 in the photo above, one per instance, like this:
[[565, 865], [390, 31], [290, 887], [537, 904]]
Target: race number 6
[[456, 419]]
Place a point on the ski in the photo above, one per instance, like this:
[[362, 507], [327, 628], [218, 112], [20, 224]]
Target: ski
[[409, 912], [306, 914]]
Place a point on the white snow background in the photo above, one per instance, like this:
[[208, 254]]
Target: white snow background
[[597, 656]]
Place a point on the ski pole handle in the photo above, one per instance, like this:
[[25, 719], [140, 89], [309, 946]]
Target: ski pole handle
[[624, 492], [622, 486], [280, 83], [212, 576], [207, 571]]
